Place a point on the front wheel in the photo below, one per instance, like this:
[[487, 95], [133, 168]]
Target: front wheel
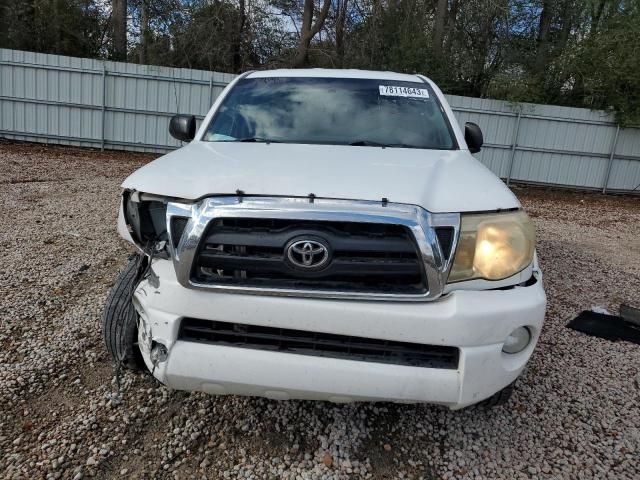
[[120, 319]]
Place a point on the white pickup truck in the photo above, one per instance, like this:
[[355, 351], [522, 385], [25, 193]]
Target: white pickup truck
[[328, 235]]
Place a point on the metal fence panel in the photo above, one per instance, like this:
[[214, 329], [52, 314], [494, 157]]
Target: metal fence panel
[[496, 159], [629, 143], [568, 170], [565, 136], [93, 103], [625, 175]]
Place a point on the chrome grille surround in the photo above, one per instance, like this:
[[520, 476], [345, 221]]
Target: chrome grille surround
[[420, 222]]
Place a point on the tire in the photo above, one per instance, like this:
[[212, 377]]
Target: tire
[[120, 319], [499, 398]]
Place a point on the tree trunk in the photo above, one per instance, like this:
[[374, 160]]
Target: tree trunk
[[305, 34], [438, 26], [597, 10], [119, 20], [567, 25], [542, 40], [145, 32], [59, 47], [309, 29], [341, 20], [239, 38], [451, 27]]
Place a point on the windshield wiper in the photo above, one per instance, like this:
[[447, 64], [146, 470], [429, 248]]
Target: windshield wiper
[[257, 139], [369, 143]]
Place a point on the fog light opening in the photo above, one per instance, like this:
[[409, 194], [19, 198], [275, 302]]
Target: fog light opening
[[517, 340], [159, 353]]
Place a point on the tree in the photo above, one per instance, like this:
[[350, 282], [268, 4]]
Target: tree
[[342, 7], [309, 29], [568, 52], [451, 27], [65, 27], [542, 39], [207, 40], [145, 31], [438, 26], [607, 65], [119, 26], [239, 37]]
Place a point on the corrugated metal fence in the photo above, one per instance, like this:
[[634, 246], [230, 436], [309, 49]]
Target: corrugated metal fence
[[94, 103], [84, 102]]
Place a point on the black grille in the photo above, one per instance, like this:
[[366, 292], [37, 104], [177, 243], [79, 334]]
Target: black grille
[[365, 257], [178, 224], [445, 237], [318, 344]]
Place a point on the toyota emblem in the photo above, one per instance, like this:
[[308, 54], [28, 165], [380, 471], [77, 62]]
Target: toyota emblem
[[308, 254]]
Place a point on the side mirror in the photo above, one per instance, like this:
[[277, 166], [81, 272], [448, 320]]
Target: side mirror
[[183, 127], [473, 137]]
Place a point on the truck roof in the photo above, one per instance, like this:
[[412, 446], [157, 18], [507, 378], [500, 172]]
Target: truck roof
[[334, 73]]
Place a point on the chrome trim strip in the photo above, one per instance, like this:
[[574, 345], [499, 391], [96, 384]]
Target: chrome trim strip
[[419, 221]]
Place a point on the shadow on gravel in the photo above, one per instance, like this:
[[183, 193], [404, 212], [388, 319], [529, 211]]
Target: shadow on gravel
[[386, 445]]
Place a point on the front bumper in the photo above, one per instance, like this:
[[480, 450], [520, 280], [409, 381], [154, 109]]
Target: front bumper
[[477, 322]]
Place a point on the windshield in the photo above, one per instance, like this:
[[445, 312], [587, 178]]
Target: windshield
[[337, 111]]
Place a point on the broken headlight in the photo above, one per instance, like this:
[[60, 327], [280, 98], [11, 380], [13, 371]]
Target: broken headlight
[[146, 218], [493, 246]]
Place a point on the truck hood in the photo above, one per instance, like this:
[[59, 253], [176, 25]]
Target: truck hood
[[437, 180]]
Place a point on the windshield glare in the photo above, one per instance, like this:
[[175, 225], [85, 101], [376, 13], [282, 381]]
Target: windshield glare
[[338, 111]]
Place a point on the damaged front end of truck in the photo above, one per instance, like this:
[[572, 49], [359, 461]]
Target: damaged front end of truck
[[142, 222]]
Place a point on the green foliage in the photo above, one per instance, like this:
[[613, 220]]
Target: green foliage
[[392, 38], [583, 53], [205, 41], [606, 67], [69, 27]]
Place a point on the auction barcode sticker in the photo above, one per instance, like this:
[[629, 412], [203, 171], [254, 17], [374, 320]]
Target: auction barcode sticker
[[395, 91]]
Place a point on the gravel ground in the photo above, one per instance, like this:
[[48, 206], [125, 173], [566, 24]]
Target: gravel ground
[[575, 413]]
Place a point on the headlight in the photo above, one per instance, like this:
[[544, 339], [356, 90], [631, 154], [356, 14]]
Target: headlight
[[493, 246], [146, 219]]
